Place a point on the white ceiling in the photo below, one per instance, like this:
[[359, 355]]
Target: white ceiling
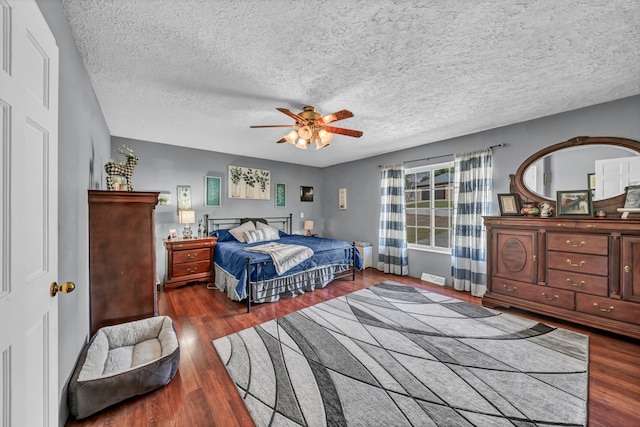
[[198, 73]]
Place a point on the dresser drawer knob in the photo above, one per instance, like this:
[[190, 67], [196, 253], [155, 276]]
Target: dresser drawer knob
[[606, 310], [515, 288], [548, 298], [194, 255], [192, 270], [576, 265], [579, 245], [626, 269], [562, 224], [579, 285]]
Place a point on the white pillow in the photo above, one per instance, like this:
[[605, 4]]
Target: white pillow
[[263, 226], [239, 231], [261, 235]]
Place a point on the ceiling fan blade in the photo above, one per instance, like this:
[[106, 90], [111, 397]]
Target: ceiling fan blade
[[281, 140], [293, 115], [334, 117], [273, 126], [341, 131]]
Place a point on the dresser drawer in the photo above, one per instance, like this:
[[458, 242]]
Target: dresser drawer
[[609, 308], [579, 263], [541, 294], [586, 283], [595, 244], [191, 255], [186, 269]]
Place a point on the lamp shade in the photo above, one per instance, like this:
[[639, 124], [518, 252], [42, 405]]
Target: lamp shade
[[187, 217], [308, 224]]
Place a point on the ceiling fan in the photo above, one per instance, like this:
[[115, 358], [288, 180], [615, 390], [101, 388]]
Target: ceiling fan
[[312, 127]]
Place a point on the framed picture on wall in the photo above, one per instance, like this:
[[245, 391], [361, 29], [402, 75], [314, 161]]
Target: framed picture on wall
[[306, 194], [281, 195], [509, 204], [183, 194], [212, 191], [342, 198], [249, 183]]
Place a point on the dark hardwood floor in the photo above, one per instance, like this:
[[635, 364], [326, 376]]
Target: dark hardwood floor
[[201, 394]]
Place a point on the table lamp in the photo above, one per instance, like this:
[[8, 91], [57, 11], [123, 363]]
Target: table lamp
[[308, 225], [187, 217]]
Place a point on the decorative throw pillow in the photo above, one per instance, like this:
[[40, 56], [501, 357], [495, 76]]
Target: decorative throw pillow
[[223, 235], [239, 231], [264, 225], [261, 235]]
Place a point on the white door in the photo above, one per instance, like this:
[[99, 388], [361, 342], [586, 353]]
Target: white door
[[29, 217], [613, 175]]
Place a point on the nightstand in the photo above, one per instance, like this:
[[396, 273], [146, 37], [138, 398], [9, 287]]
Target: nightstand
[[189, 260]]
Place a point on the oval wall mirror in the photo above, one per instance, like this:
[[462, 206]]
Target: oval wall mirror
[[571, 165]]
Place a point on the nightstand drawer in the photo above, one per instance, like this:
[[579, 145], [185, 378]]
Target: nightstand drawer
[[187, 269], [191, 255]]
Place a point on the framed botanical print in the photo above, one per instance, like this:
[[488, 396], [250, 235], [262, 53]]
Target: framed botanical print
[[249, 183], [184, 197], [212, 190], [281, 195]]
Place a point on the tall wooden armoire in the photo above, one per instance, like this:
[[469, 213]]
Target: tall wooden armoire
[[122, 257]]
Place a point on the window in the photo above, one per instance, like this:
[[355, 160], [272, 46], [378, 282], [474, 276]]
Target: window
[[429, 206]]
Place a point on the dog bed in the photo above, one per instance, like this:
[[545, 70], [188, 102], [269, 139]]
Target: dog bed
[[123, 361]]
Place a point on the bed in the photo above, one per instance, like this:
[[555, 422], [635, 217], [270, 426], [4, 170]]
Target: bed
[[258, 277]]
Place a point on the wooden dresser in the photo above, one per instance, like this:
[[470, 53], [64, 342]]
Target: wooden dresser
[[122, 257], [189, 260], [585, 270]]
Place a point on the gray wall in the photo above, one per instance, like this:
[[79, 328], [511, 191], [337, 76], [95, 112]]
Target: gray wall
[[84, 145], [163, 167], [361, 178]]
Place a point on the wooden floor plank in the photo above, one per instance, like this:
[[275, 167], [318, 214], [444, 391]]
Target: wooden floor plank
[[202, 394]]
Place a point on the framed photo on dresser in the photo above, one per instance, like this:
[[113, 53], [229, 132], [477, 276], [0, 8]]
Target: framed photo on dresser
[[509, 204], [574, 203]]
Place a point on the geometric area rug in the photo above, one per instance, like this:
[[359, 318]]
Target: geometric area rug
[[395, 355]]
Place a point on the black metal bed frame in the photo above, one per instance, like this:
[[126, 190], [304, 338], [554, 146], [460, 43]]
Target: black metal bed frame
[[260, 266]]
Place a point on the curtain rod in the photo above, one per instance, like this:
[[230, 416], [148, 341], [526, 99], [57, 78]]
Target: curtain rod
[[443, 155]]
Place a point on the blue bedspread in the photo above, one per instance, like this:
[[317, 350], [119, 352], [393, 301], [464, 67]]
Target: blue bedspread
[[231, 257]]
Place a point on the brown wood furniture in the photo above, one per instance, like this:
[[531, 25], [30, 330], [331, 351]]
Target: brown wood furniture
[[582, 270], [578, 268], [122, 257], [189, 260]]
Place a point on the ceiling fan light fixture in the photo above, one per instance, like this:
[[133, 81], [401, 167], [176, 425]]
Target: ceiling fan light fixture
[[291, 137], [302, 143], [305, 132], [325, 137]]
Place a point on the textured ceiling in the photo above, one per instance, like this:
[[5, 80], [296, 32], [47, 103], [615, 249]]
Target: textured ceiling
[[198, 73]]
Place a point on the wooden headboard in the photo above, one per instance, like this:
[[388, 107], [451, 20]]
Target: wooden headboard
[[283, 223]]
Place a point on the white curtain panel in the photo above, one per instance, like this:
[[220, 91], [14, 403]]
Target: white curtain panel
[[392, 238], [472, 200]]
